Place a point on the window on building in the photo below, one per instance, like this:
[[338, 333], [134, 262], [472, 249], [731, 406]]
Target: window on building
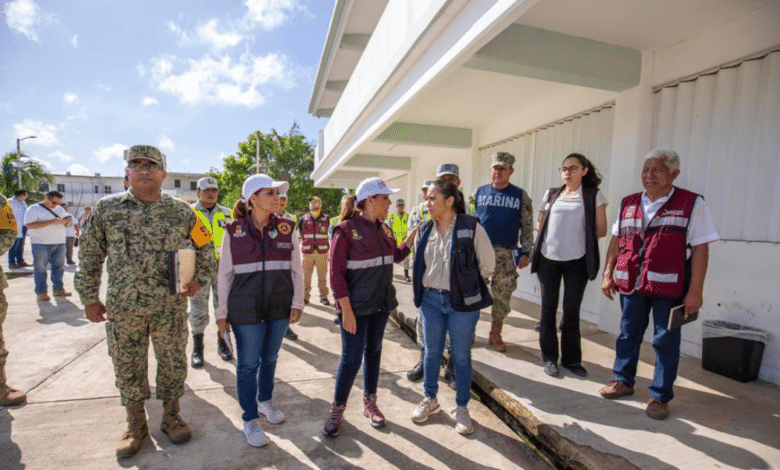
[[97, 190], [60, 187], [107, 189], [177, 183], [193, 185]]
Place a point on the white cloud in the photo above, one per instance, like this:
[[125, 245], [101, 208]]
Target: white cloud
[[106, 153], [77, 169], [208, 33], [184, 37], [149, 101], [74, 41], [70, 98], [61, 156], [270, 13], [104, 86], [24, 16], [141, 70], [221, 80], [46, 133], [166, 143]]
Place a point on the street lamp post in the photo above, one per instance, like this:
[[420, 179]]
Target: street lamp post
[[19, 157]]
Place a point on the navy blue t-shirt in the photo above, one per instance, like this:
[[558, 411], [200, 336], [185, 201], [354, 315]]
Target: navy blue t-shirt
[[499, 213]]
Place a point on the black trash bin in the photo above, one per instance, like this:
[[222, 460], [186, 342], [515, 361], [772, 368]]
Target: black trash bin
[[732, 350]]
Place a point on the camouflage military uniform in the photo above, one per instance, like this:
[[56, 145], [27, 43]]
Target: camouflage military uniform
[[135, 239], [504, 280], [7, 239]]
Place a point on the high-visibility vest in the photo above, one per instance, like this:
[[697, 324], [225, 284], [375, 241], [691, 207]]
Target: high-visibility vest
[[217, 225], [398, 223]]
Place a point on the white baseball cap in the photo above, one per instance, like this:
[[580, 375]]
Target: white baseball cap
[[257, 182], [372, 187]]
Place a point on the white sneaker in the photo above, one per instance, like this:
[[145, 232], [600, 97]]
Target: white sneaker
[[426, 408], [254, 434], [270, 411], [463, 420]]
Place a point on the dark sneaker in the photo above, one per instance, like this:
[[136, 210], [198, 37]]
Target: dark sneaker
[[325, 302], [290, 334], [336, 320], [657, 409], [333, 423], [538, 326], [577, 370], [551, 369], [616, 389]]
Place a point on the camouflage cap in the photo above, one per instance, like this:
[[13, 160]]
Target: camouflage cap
[[400, 202], [502, 159], [148, 152], [447, 169], [207, 183]]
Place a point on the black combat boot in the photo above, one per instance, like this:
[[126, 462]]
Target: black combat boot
[[449, 373], [406, 276], [416, 374], [197, 351], [223, 349]]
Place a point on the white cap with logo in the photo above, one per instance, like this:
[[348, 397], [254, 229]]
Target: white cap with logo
[[372, 187], [255, 183]]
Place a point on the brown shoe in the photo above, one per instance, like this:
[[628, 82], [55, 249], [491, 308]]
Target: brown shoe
[[616, 389], [62, 293], [43, 297], [657, 409], [495, 336], [10, 396], [172, 424], [137, 430]]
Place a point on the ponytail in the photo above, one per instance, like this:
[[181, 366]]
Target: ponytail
[[348, 207], [593, 178], [241, 210]]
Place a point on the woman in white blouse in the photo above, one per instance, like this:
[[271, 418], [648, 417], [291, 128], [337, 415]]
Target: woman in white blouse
[[571, 220]]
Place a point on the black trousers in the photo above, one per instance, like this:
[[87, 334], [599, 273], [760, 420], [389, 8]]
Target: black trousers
[[575, 278]]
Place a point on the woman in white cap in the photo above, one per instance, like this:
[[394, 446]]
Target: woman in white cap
[[361, 277], [260, 294]]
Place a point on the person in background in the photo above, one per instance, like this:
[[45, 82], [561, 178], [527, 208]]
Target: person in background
[[571, 220], [260, 293], [313, 227], [361, 276], [19, 208], [139, 303], [506, 213], [398, 222], [71, 234], [214, 217], [282, 212], [82, 218], [9, 396], [46, 223], [657, 259], [453, 257]]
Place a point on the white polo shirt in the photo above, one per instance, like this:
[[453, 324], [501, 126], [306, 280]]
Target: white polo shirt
[[51, 235]]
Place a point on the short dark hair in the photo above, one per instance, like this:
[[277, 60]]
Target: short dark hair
[[53, 194], [20, 192]]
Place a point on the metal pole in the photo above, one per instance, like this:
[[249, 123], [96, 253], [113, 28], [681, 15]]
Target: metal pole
[[19, 157]]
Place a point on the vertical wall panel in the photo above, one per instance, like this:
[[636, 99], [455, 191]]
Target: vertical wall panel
[[726, 127]]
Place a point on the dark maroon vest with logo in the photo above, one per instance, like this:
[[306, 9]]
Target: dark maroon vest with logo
[[262, 288], [314, 234]]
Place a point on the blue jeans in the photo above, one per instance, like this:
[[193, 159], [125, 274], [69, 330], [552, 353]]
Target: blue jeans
[[15, 252], [366, 341], [257, 349], [48, 254], [666, 344], [438, 319]]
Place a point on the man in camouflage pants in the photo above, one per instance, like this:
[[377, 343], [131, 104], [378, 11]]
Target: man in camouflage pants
[[503, 209], [135, 231], [9, 396]]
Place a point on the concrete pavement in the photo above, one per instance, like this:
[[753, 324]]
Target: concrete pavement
[[73, 418]]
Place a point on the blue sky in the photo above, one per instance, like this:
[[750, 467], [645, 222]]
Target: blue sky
[[193, 77]]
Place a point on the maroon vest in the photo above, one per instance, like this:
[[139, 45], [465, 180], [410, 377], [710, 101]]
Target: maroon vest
[[262, 287], [314, 233], [652, 261]]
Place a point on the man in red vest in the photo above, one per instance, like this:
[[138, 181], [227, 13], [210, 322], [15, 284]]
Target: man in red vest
[[657, 259], [313, 227]]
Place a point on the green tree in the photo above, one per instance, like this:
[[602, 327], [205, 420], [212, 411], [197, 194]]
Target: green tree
[[286, 157], [34, 176]]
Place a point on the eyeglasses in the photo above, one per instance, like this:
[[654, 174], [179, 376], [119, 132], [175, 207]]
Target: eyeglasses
[[569, 169], [150, 167]]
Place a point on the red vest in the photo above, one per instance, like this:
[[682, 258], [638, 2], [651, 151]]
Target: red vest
[[314, 233], [262, 287], [652, 261]]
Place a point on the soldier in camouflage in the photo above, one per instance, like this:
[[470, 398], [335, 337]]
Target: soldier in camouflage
[[503, 209], [134, 232], [9, 396]]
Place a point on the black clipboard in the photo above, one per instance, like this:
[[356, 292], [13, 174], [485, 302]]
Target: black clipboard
[[678, 318]]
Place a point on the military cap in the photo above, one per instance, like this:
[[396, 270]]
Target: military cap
[[148, 152], [399, 202], [447, 169], [207, 183], [502, 159]]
